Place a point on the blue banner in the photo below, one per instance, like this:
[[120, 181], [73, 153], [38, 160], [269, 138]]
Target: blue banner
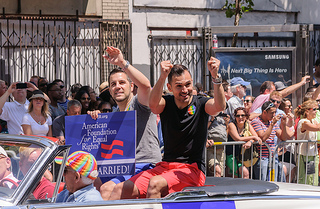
[[111, 139]]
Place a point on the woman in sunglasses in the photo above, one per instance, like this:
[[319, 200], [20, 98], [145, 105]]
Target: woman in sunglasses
[[307, 130], [238, 131], [37, 121], [286, 107], [83, 97]]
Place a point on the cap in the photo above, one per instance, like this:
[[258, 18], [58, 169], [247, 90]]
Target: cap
[[103, 86], [37, 94], [3, 152], [279, 85], [82, 162], [238, 80]]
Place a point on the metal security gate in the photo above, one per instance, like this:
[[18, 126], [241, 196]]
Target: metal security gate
[[68, 49], [187, 51]]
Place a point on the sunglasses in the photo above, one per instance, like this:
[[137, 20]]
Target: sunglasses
[[269, 106], [61, 86], [314, 109], [318, 100], [106, 110], [84, 98], [247, 100], [289, 106], [238, 116], [275, 101]]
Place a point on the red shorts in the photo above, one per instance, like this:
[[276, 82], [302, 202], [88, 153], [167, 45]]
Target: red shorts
[[177, 175]]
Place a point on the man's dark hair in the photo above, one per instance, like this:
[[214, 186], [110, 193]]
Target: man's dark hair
[[317, 63], [57, 81], [75, 87], [117, 70], [74, 102], [177, 70], [50, 85], [266, 85]]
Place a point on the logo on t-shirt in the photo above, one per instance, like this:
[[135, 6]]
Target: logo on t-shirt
[[192, 110]]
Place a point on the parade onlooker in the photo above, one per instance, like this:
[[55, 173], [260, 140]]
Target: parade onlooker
[[55, 93], [267, 128], [3, 123], [105, 107], [217, 132], [13, 112], [43, 84], [268, 87], [37, 121], [316, 72], [286, 107], [238, 88], [92, 94], [74, 89], [63, 101], [307, 130], [275, 98], [3, 87], [239, 130], [58, 125], [184, 120], [83, 97], [35, 79], [248, 101]]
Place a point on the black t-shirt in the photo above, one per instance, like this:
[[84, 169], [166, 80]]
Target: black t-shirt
[[185, 131]]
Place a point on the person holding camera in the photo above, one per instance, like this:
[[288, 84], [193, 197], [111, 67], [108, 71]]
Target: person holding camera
[[308, 153], [13, 112]]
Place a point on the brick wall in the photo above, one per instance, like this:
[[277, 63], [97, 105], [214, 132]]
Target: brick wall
[[115, 9]]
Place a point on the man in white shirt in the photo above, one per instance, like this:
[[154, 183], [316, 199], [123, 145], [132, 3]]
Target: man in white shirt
[[12, 112]]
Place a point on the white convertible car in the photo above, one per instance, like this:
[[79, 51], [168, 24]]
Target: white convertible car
[[218, 192]]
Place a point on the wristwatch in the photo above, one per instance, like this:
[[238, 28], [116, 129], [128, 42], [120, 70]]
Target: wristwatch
[[217, 80], [126, 66]]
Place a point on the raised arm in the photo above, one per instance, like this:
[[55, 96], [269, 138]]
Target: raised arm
[[6, 95], [290, 89], [156, 102], [285, 132], [216, 105], [115, 57]]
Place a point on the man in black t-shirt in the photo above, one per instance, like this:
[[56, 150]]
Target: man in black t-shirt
[[184, 120]]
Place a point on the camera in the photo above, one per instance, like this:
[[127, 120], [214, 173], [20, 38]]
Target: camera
[[21, 85]]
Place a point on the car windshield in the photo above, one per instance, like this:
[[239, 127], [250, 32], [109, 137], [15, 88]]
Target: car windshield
[[16, 159]]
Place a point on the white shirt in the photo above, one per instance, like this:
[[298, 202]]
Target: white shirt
[[307, 135], [13, 112], [36, 128]]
